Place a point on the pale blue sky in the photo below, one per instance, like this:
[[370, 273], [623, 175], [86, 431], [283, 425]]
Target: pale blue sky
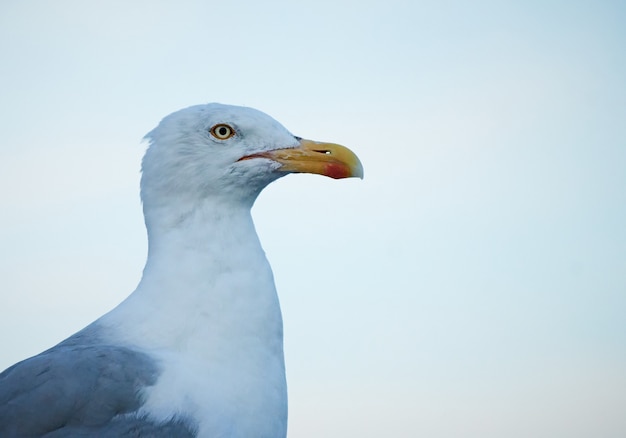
[[473, 284]]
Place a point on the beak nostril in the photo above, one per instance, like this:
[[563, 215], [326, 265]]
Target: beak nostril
[[324, 151]]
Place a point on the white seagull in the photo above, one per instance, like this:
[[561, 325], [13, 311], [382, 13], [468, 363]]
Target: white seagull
[[197, 349]]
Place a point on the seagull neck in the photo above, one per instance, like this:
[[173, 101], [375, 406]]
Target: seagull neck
[[209, 229], [200, 246], [206, 277]]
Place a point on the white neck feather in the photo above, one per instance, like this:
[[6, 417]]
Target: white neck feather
[[206, 282]]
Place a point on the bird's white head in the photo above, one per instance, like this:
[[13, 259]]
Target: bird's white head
[[228, 154]]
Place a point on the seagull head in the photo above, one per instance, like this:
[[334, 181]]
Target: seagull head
[[229, 154]]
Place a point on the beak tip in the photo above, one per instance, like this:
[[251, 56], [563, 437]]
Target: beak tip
[[358, 170]]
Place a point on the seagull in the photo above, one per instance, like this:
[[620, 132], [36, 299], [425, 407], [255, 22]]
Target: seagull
[[197, 349]]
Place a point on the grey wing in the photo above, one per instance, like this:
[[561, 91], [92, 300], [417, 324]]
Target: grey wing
[[129, 427], [73, 390]]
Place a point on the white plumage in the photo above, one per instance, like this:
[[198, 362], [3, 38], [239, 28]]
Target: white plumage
[[201, 336]]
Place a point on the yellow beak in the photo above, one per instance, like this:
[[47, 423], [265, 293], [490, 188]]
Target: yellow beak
[[327, 159]]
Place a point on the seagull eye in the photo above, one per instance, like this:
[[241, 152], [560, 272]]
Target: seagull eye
[[222, 131]]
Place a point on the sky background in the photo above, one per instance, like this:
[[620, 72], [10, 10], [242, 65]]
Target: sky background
[[472, 285]]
